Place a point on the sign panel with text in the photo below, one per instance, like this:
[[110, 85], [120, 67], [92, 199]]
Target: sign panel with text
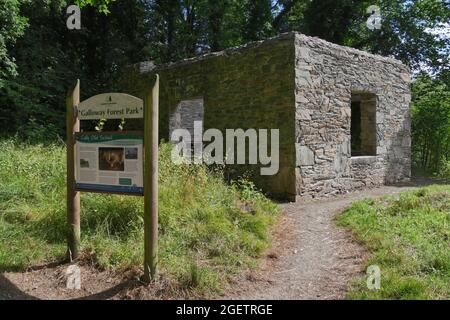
[[111, 106], [109, 162]]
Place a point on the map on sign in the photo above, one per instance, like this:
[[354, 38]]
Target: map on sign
[[109, 162], [111, 106]]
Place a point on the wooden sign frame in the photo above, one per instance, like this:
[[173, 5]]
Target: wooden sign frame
[[150, 172]]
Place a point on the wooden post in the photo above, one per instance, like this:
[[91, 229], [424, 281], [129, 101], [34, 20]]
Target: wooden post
[[151, 141], [73, 197]]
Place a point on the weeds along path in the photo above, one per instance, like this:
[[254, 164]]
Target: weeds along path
[[311, 258]]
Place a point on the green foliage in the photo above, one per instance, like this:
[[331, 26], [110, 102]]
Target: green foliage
[[100, 125], [182, 29], [101, 5], [12, 27], [408, 237], [405, 32], [431, 125], [333, 20], [259, 20], [444, 171], [248, 190], [203, 222], [50, 57], [37, 95]]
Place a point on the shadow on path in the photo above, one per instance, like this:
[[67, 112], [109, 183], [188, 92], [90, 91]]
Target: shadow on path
[[9, 291]]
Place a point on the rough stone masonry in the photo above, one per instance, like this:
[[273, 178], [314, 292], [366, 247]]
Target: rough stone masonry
[[343, 114]]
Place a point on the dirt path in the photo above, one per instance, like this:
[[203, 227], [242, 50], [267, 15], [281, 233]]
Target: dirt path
[[49, 283], [311, 258]]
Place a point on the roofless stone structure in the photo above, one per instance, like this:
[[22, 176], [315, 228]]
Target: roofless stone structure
[[343, 114]]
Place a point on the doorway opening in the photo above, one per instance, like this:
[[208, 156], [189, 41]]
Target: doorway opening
[[363, 124]]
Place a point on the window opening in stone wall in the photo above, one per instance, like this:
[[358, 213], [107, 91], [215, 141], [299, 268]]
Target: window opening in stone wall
[[363, 124], [184, 116]]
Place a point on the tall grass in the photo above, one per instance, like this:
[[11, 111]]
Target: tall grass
[[207, 233], [408, 237]]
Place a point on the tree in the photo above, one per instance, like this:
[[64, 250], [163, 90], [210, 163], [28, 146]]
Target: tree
[[101, 5], [406, 33], [50, 57], [215, 23], [406, 29], [259, 20], [332, 20], [12, 27], [431, 123], [118, 33]]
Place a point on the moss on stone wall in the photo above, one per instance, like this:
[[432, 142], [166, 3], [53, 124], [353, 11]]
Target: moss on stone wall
[[252, 88]]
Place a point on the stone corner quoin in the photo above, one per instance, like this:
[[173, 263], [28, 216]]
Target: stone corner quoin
[[307, 88]]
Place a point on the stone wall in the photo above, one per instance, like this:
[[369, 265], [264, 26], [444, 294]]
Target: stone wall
[[304, 87], [184, 116], [246, 87], [326, 77]]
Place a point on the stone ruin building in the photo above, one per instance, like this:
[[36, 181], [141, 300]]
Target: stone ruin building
[[343, 114]]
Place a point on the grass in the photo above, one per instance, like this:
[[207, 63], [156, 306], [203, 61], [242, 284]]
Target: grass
[[408, 237], [209, 231]]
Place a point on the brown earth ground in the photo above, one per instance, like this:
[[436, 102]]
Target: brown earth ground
[[310, 259]]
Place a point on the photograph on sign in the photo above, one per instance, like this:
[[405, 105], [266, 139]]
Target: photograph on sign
[[109, 162]]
